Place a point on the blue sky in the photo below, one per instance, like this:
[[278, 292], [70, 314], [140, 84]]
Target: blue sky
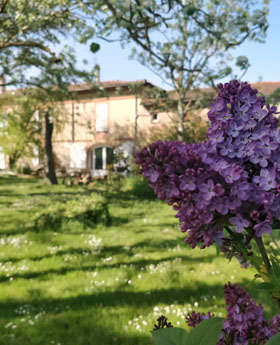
[[264, 57]]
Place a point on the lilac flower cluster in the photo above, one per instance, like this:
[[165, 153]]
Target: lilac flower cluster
[[245, 132], [194, 318], [231, 179], [197, 189], [245, 322]]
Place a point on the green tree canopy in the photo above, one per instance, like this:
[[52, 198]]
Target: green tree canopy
[[20, 128], [30, 39], [185, 42]]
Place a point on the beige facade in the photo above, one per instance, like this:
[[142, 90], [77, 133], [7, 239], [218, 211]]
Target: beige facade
[[93, 124], [89, 128]]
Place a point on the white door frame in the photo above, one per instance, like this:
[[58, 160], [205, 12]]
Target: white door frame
[[98, 172]]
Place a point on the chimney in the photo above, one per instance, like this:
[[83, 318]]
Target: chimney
[[2, 84], [96, 73]]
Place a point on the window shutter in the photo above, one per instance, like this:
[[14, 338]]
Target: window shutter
[[2, 159], [78, 156], [101, 117]]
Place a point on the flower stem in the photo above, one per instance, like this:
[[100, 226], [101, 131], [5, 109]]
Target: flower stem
[[266, 262], [263, 253]]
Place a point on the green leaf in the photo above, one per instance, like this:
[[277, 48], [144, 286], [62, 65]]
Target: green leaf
[[242, 62], [170, 336], [94, 47], [275, 266], [264, 287], [275, 340], [190, 10], [256, 261], [206, 333]]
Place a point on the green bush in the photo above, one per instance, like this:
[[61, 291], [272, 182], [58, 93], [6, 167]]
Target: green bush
[[88, 210], [24, 169], [138, 187]]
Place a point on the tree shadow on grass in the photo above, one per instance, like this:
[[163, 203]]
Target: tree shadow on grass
[[116, 298], [147, 247], [12, 193], [68, 327], [122, 298], [134, 264], [5, 202], [59, 193], [60, 226], [81, 318], [12, 180]]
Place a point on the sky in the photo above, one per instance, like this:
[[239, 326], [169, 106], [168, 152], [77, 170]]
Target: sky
[[263, 57]]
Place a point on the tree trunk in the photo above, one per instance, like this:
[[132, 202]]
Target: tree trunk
[[135, 140], [12, 163], [50, 175], [181, 118]]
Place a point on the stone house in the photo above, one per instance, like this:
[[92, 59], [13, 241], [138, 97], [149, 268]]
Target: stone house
[[97, 122], [107, 117]]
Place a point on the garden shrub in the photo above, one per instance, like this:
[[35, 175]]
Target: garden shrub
[[87, 210], [24, 169], [226, 191], [138, 187]]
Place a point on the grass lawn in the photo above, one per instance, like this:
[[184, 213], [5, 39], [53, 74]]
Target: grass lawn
[[79, 284]]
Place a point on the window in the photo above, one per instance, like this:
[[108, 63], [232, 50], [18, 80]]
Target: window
[[101, 112], [154, 118], [98, 158], [101, 159]]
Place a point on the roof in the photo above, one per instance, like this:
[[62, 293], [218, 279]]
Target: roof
[[266, 87], [91, 87], [107, 84]]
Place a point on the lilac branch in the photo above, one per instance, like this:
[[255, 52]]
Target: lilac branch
[[263, 253]]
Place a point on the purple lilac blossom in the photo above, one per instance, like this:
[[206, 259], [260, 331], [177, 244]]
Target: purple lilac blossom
[[245, 322], [274, 324], [194, 318], [239, 222], [187, 183], [235, 172], [263, 228], [207, 190], [266, 179], [226, 147]]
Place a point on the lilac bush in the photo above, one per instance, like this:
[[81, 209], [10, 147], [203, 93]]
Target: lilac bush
[[226, 191], [230, 181]]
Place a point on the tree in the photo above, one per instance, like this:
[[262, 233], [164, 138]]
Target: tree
[[185, 42], [274, 98], [48, 115], [31, 32], [19, 132], [27, 119], [48, 158], [194, 130]]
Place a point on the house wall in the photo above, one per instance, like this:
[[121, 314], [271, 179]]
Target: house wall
[[75, 132], [69, 138]]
